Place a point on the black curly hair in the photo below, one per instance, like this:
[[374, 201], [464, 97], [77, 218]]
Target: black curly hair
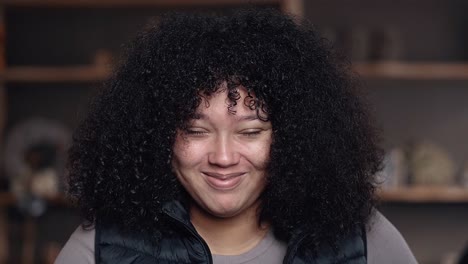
[[325, 149]]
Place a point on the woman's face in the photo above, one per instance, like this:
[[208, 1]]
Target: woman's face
[[221, 158]]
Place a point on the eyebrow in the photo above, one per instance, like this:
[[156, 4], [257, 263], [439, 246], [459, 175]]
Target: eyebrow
[[248, 117], [240, 118]]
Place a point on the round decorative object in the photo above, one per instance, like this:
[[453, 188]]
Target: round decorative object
[[431, 165], [35, 155]]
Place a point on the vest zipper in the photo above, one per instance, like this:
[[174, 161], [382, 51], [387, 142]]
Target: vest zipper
[[193, 233], [292, 249]]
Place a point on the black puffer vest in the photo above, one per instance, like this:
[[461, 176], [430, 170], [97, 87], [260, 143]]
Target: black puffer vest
[[186, 246]]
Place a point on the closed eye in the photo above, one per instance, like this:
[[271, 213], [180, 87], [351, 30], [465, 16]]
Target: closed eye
[[195, 131], [251, 133]]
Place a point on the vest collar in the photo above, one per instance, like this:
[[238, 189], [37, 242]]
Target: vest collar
[[352, 247]]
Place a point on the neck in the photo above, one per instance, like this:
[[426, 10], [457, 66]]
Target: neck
[[231, 235]]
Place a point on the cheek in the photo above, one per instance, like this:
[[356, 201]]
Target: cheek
[[259, 154], [185, 154], [179, 153], [182, 162]]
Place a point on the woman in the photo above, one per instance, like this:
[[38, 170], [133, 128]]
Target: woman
[[229, 139]]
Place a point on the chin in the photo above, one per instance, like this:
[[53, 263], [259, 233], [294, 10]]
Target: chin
[[224, 212], [229, 209]]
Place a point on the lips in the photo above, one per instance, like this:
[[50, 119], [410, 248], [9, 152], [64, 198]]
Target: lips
[[223, 182]]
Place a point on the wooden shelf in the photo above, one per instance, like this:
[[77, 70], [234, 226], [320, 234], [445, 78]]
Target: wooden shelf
[[382, 70], [9, 199], [55, 74], [425, 195], [413, 70], [134, 3]]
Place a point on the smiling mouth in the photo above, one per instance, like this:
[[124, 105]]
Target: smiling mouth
[[223, 182]]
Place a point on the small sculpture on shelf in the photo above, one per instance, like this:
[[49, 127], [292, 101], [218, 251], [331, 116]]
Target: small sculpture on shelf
[[430, 164], [43, 177], [421, 163]]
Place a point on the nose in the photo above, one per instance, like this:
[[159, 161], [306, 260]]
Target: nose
[[224, 152]]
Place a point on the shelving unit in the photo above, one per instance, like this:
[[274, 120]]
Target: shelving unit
[[414, 65]]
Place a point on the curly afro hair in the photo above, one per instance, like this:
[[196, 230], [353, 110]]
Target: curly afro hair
[[325, 148]]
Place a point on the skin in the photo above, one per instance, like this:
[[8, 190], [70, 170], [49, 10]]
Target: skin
[[221, 160]]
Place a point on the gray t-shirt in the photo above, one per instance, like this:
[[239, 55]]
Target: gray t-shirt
[[269, 250], [385, 245]]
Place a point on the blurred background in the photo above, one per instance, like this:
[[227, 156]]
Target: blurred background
[[411, 57]]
